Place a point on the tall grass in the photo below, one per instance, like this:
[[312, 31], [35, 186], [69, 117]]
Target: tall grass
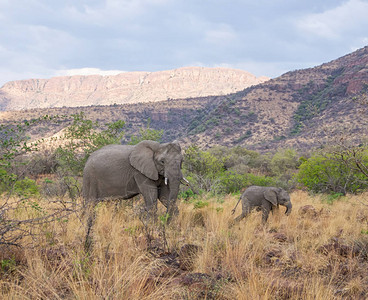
[[315, 253]]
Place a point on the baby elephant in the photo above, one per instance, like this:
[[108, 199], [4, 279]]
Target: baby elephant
[[264, 198]]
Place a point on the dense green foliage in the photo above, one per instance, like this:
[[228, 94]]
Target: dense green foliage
[[334, 172], [13, 144], [217, 170], [224, 170]]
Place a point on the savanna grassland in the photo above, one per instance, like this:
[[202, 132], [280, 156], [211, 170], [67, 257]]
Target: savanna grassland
[[320, 251]]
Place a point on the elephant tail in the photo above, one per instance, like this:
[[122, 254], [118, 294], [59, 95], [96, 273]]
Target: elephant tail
[[233, 211]]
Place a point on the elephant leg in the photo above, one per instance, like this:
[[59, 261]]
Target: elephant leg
[[164, 196], [246, 208], [240, 217], [149, 192], [90, 211], [266, 211]]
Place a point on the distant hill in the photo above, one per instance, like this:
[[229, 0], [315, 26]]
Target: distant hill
[[301, 109], [124, 88]]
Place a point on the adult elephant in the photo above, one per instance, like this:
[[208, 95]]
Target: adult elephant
[[264, 198], [123, 171]]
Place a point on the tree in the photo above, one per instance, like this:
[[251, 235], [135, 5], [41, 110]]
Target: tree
[[82, 138], [203, 167], [19, 194], [146, 134], [284, 161], [340, 169]]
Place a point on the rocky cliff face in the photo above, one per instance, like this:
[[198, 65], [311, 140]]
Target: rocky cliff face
[[130, 87]]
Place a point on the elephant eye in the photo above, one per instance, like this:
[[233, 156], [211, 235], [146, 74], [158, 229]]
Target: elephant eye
[[162, 161]]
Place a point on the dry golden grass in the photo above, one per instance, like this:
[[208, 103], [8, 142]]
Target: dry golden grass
[[320, 252]]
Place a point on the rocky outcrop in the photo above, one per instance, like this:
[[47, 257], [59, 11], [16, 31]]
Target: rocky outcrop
[[129, 87]]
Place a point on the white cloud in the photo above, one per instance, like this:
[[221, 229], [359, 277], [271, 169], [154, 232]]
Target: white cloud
[[334, 23], [109, 12], [48, 38], [87, 71], [220, 34]]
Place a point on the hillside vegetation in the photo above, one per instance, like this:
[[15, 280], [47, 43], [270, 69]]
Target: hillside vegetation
[[301, 109]]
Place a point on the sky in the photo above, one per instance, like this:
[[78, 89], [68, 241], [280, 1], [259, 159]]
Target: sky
[[46, 38]]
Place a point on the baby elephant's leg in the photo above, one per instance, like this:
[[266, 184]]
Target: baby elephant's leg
[[265, 211], [245, 209]]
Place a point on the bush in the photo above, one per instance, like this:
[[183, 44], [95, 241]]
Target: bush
[[200, 204], [326, 174], [284, 162], [232, 182], [203, 168], [82, 138], [186, 195], [261, 180], [227, 170], [147, 134], [26, 188]]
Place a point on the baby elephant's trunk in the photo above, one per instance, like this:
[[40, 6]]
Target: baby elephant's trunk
[[288, 208]]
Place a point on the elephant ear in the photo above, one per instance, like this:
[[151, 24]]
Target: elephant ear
[[141, 159], [270, 196]]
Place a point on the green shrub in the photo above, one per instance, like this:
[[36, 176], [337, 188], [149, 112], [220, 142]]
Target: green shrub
[[203, 169], [331, 198], [200, 204], [222, 170], [327, 174], [82, 138], [146, 134], [26, 187], [232, 182], [284, 162], [186, 195]]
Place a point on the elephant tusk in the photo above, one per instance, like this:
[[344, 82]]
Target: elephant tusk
[[165, 180], [186, 182]]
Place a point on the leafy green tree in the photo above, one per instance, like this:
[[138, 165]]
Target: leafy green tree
[[14, 143], [333, 173], [232, 182], [146, 134], [284, 161], [203, 168], [82, 138], [236, 158]]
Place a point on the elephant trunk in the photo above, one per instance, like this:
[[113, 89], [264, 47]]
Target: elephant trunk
[[173, 178], [174, 185], [288, 206]]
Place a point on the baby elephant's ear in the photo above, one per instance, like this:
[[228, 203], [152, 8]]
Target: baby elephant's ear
[[270, 195]]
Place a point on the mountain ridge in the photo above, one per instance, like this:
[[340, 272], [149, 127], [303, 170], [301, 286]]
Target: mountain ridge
[[124, 88], [302, 109]]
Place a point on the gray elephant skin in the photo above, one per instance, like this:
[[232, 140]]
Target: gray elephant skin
[[124, 171], [264, 198]]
